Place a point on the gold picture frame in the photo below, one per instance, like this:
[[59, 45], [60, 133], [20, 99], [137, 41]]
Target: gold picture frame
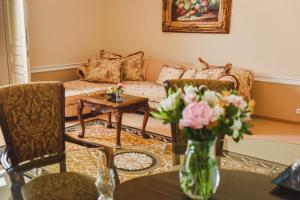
[[196, 16]]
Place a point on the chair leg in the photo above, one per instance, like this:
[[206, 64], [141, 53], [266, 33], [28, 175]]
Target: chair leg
[[176, 159], [62, 166], [17, 181], [220, 145]]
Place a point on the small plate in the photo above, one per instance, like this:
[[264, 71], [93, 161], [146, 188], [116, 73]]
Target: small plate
[[283, 180]]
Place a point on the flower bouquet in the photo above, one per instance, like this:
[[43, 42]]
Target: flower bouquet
[[202, 115], [115, 92]]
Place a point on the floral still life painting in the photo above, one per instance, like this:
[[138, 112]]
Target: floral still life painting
[[210, 16]]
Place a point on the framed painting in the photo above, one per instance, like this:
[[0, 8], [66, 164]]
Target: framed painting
[[196, 16]]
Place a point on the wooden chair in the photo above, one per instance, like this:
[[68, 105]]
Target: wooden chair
[[33, 126], [179, 142]]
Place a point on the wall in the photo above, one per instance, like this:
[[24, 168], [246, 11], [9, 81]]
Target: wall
[[61, 75], [63, 32], [264, 37], [4, 77]]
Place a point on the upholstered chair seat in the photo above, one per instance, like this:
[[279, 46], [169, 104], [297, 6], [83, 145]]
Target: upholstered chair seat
[[62, 186]]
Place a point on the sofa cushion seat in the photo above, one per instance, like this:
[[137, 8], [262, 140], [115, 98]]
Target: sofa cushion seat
[[153, 91], [75, 90]]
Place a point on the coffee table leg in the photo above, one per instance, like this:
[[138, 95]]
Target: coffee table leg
[[146, 116], [81, 120], [109, 125], [118, 116]]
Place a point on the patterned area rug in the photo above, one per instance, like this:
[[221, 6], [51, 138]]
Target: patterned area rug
[[140, 157]]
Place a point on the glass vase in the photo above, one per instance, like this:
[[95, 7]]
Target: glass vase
[[199, 174]]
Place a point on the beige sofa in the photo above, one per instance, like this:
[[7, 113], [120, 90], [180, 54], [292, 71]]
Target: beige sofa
[[77, 89]]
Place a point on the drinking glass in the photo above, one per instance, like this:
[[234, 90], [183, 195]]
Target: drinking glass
[[295, 174], [105, 183]]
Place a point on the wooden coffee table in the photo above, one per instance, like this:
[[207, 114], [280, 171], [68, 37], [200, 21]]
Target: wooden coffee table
[[102, 103]]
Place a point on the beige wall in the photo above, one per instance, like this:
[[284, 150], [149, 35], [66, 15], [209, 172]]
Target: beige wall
[[276, 100], [264, 35], [260, 39], [72, 30], [4, 77], [64, 31], [61, 75]]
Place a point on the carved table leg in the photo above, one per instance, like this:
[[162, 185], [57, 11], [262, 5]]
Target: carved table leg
[[118, 115], [146, 116], [109, 125], [81, 120]]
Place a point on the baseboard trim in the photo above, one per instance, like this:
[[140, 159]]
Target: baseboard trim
[[276, 119], [50, 68]]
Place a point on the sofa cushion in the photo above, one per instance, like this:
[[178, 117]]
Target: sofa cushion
[[168, 73], [104, 70], [214, 72], [189, 74], [153, 91], [75, 90], [132, 66]]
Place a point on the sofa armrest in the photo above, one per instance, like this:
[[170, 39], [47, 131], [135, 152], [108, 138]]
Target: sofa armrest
[[82, 71], [243, 81]]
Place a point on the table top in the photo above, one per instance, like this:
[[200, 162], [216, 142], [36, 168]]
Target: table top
[[102, 99], [233, 185]]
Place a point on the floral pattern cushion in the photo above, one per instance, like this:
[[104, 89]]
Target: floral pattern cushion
[[189, 74], [104, 71], [168, 73], [214, 73], [132, 66], [202, 64], [147, 89], [245, 81], [78, 89]]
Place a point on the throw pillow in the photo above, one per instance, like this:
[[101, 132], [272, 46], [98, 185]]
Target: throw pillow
[[202, 64], [189, 74], [132, 66], [213, 73], [168, 73], [104, 71]]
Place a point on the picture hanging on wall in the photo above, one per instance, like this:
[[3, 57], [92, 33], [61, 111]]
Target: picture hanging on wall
[[196, 16]]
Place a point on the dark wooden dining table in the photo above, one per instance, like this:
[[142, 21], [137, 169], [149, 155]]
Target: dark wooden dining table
[[234, 185]]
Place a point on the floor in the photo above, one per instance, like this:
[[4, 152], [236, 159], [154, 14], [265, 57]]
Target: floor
[[271, 140]]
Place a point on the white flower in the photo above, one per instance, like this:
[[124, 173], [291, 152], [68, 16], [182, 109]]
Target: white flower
[[218, 111], [190, 94], [171, 102], [190, 90], [236, 100], [210, 97], [236, 127]]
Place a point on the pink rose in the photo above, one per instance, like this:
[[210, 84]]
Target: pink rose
[[120, 85], [196, 115]]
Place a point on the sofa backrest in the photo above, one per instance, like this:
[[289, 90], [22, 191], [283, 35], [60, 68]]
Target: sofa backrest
[[152, 68]]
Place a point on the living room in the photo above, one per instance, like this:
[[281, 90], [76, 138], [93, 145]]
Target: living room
[[257, 51]]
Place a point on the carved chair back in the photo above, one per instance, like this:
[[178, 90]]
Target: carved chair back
[[179, 142], [32, 120]]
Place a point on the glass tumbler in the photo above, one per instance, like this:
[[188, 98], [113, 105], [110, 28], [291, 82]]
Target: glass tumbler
[[295, 174], [105, 183]]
